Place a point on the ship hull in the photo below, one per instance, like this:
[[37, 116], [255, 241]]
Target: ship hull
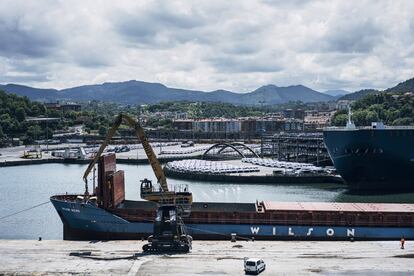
[[85, 221], [244, 232], [373, 159]]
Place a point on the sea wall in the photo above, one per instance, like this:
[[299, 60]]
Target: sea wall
[[25, 162]]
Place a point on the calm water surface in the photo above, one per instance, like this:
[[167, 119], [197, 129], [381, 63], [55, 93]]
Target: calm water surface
[[25, 186]]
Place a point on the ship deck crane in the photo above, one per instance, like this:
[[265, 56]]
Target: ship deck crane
[[169, 232], [181, 198]]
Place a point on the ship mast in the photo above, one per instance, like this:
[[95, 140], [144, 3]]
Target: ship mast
[[350, 124]]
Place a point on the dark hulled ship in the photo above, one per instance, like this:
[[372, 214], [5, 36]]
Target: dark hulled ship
[[377, 158]]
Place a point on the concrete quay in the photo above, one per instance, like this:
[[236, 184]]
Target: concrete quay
[[28, 257], [12, 156]]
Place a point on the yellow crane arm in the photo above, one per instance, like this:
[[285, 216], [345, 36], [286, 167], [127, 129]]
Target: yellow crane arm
[[152, 158], [139, 132]]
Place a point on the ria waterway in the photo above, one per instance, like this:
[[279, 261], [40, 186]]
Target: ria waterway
[[26, 186]]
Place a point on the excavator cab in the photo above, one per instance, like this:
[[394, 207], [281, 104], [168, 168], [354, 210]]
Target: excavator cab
[[146, 186], [169, 232]]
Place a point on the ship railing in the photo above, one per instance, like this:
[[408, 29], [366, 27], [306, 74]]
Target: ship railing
[[66, 197], [370, 127]]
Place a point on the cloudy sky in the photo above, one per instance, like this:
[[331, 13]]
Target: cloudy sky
[[208, 45]]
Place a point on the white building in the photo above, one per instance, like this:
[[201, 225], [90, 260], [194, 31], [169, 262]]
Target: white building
[[217, 125]]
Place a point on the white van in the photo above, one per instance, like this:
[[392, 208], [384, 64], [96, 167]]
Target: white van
[[253, 265]]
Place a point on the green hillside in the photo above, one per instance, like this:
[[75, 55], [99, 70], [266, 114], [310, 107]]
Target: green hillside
[[391, 109], [402, 87], [359, 94], [13, 112]]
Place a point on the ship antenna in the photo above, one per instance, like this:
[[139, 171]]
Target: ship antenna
[[350, 124]]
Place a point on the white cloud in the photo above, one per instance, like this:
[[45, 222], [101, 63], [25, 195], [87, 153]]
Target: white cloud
[[208, 45]]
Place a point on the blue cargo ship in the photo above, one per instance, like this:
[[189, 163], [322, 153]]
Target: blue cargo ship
[[373, 158], [260, 220]]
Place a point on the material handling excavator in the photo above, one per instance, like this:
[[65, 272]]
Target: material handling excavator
[[169, 231]]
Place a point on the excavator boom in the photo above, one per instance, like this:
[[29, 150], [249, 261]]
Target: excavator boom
[[155, 164], [139, 132]]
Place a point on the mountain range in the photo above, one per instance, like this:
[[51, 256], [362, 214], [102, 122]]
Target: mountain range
[[402, 87], [337, 92], [138, 92]]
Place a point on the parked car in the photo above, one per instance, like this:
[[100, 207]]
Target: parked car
[[187, 144], [254, 265]]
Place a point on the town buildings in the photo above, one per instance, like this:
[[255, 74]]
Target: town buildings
[[64, 107], [250, 125], [317, 120]]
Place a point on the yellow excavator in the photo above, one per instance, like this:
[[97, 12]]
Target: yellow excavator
[[169, 231]]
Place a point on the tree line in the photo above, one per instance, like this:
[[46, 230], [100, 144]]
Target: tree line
[[391, 109], [15, 110]]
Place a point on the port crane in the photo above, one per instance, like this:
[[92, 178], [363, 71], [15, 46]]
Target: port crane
[[169, 231]]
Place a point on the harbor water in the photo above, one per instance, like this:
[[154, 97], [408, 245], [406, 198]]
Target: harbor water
[[25, 186]]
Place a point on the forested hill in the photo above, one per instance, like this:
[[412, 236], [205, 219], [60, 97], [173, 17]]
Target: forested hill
[[390, 109], [402, 87], [13, 112], [359, 94]]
